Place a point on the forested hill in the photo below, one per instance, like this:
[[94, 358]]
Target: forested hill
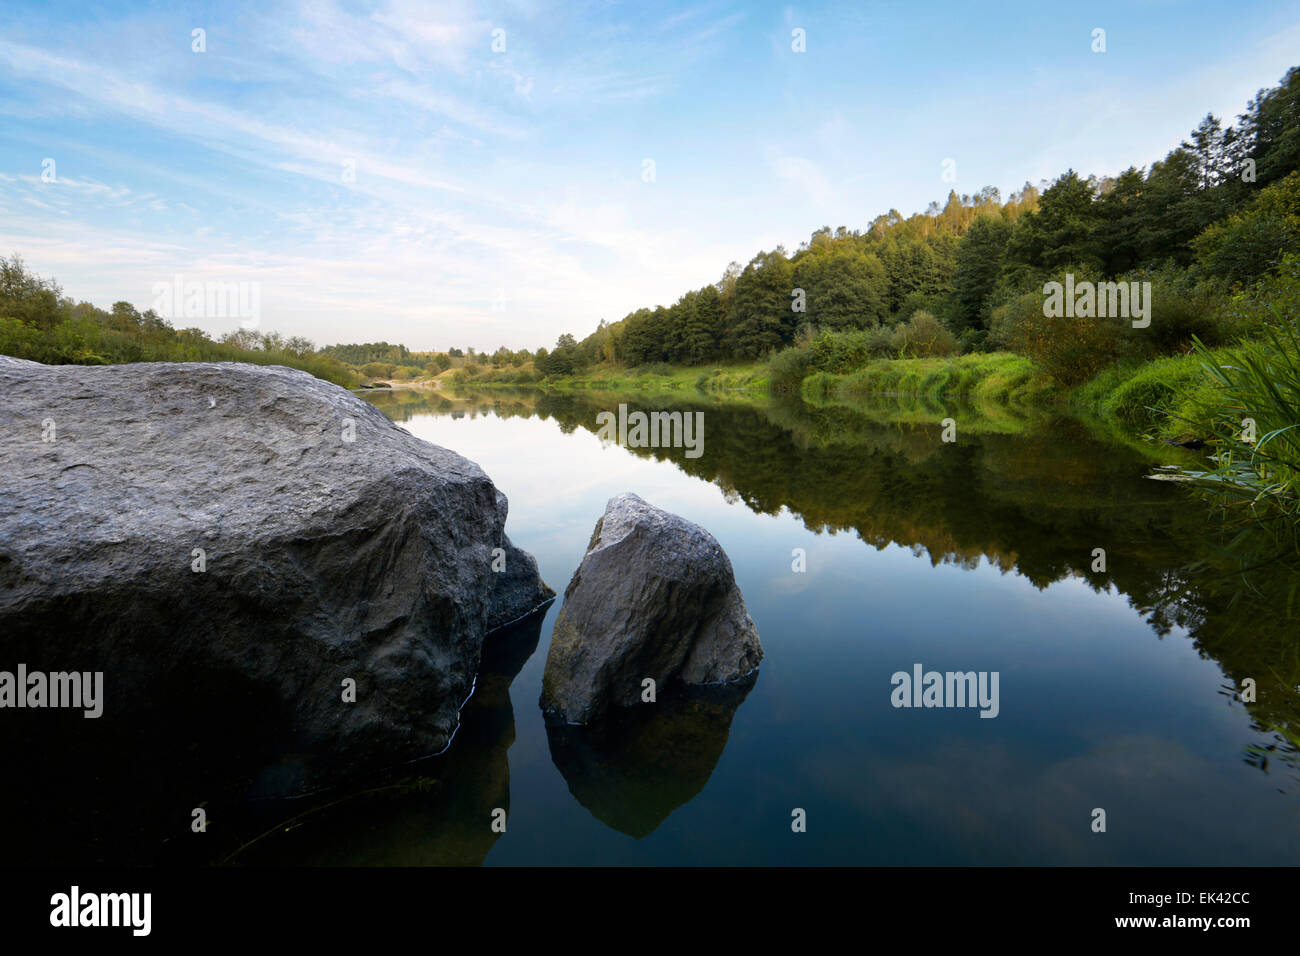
[[1214, 226], [1205, 207]]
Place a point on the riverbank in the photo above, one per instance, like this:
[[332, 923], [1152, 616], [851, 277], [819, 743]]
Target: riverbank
[[754, 376], [998, 376], [1168, 398], [1172, 399]]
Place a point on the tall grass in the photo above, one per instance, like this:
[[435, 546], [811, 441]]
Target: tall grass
[[988, 376], [1255, 476]]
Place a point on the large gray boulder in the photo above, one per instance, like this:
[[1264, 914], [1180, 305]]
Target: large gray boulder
[[237, 540], [654, 597]]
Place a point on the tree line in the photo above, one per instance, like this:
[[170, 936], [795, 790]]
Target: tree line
[[1215, 225], [1222, 206]]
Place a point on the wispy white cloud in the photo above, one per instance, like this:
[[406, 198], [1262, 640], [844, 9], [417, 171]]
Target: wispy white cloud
[[409, 34], [804, 174]]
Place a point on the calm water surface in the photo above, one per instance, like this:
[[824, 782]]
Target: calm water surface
[[1116, 687]]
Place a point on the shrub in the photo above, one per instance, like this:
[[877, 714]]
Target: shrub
[[973, 340], [878, 340], [1070, 349], [923, 336], [839, 352], [789, 366], [1274, 298], [1181, 311]]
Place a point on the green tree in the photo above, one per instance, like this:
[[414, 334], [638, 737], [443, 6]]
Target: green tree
[[1269, 132], [844, 286], [922, 335], [1209, 151], [702, 332], [1060, 233], [639, 345], [979, 263], [1119, 210], [1250, 243], [762, 318], [913, 265], [561, 359], [27, 297]]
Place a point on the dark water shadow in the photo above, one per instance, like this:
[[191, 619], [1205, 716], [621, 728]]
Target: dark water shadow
[[633, 770], [437, 811]]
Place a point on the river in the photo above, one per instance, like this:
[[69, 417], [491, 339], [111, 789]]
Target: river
[[865, 546]]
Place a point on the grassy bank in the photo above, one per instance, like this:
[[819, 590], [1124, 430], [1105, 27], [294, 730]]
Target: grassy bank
[[1172, 398], [1179, 398], [654, 378], [1001, 377], [1134, 397], [1141, 402]]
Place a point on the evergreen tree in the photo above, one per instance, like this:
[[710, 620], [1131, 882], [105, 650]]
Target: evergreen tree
[[845, 288], [762, 318], [979, 263]]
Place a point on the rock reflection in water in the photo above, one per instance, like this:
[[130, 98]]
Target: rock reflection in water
[[634, 769], [438, 816]]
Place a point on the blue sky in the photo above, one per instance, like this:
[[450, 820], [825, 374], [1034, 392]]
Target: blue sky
[[500, 197]]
